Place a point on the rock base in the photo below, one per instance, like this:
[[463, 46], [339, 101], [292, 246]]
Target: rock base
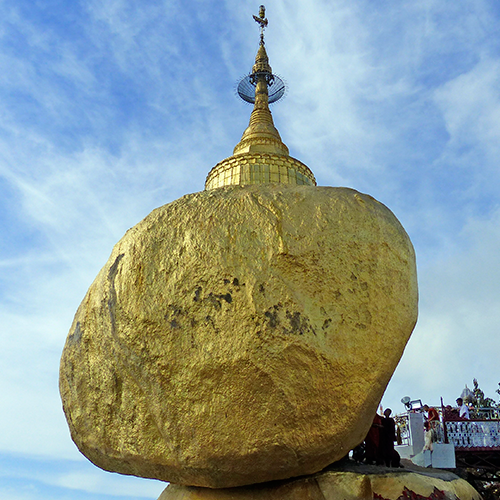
[[348, 481]]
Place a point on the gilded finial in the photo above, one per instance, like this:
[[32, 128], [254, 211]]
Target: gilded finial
[[262, 21], [260, 88]]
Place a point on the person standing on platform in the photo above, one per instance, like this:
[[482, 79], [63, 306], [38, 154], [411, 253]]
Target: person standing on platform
[[372, 442], [432, 413], [433, 423], [463, 409], [387, 437]]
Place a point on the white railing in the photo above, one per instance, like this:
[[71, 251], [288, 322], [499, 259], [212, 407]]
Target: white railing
[[474, 433]]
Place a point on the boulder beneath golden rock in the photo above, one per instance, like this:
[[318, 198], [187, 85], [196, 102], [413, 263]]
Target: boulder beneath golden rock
[[348, 482], [240, 335]]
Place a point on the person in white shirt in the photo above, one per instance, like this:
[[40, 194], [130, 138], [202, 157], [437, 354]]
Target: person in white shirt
[[463, 409]]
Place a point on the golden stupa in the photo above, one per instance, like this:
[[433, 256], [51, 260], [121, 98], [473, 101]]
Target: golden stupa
[[261, 156]]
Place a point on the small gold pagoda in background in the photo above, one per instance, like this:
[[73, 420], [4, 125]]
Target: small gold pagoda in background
[[260, 157]]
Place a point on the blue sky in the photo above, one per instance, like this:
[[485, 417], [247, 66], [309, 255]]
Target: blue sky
[[111, 108]]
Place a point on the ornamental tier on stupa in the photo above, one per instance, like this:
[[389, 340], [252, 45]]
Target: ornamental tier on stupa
[[246, 333]]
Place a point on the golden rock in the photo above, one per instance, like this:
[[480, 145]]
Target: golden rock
[[367, 483], [240, 335]]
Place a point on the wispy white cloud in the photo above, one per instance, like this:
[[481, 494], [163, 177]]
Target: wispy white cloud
[[470, 105], [114, 485], [57, 480]]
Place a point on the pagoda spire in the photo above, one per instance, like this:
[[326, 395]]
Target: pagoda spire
[[261, 135], [260, 157]]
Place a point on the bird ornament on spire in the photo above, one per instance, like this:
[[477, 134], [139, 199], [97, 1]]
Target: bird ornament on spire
[[262, 21]]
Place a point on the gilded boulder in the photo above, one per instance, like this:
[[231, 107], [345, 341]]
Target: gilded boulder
[[240, 335]]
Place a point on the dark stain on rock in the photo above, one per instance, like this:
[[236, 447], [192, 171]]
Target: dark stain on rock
[[212, 299], [236, 282], [227, 297], [174, 316], [273, 318], [261, 288], [295, 322], [118, 387], [226, 281], [354, 277], [291, 323], [174, 310], [210, 321], [76, 335], [326, 323], [113, 270]]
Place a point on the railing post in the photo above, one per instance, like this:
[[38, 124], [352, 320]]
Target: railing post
[[445, 430]]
